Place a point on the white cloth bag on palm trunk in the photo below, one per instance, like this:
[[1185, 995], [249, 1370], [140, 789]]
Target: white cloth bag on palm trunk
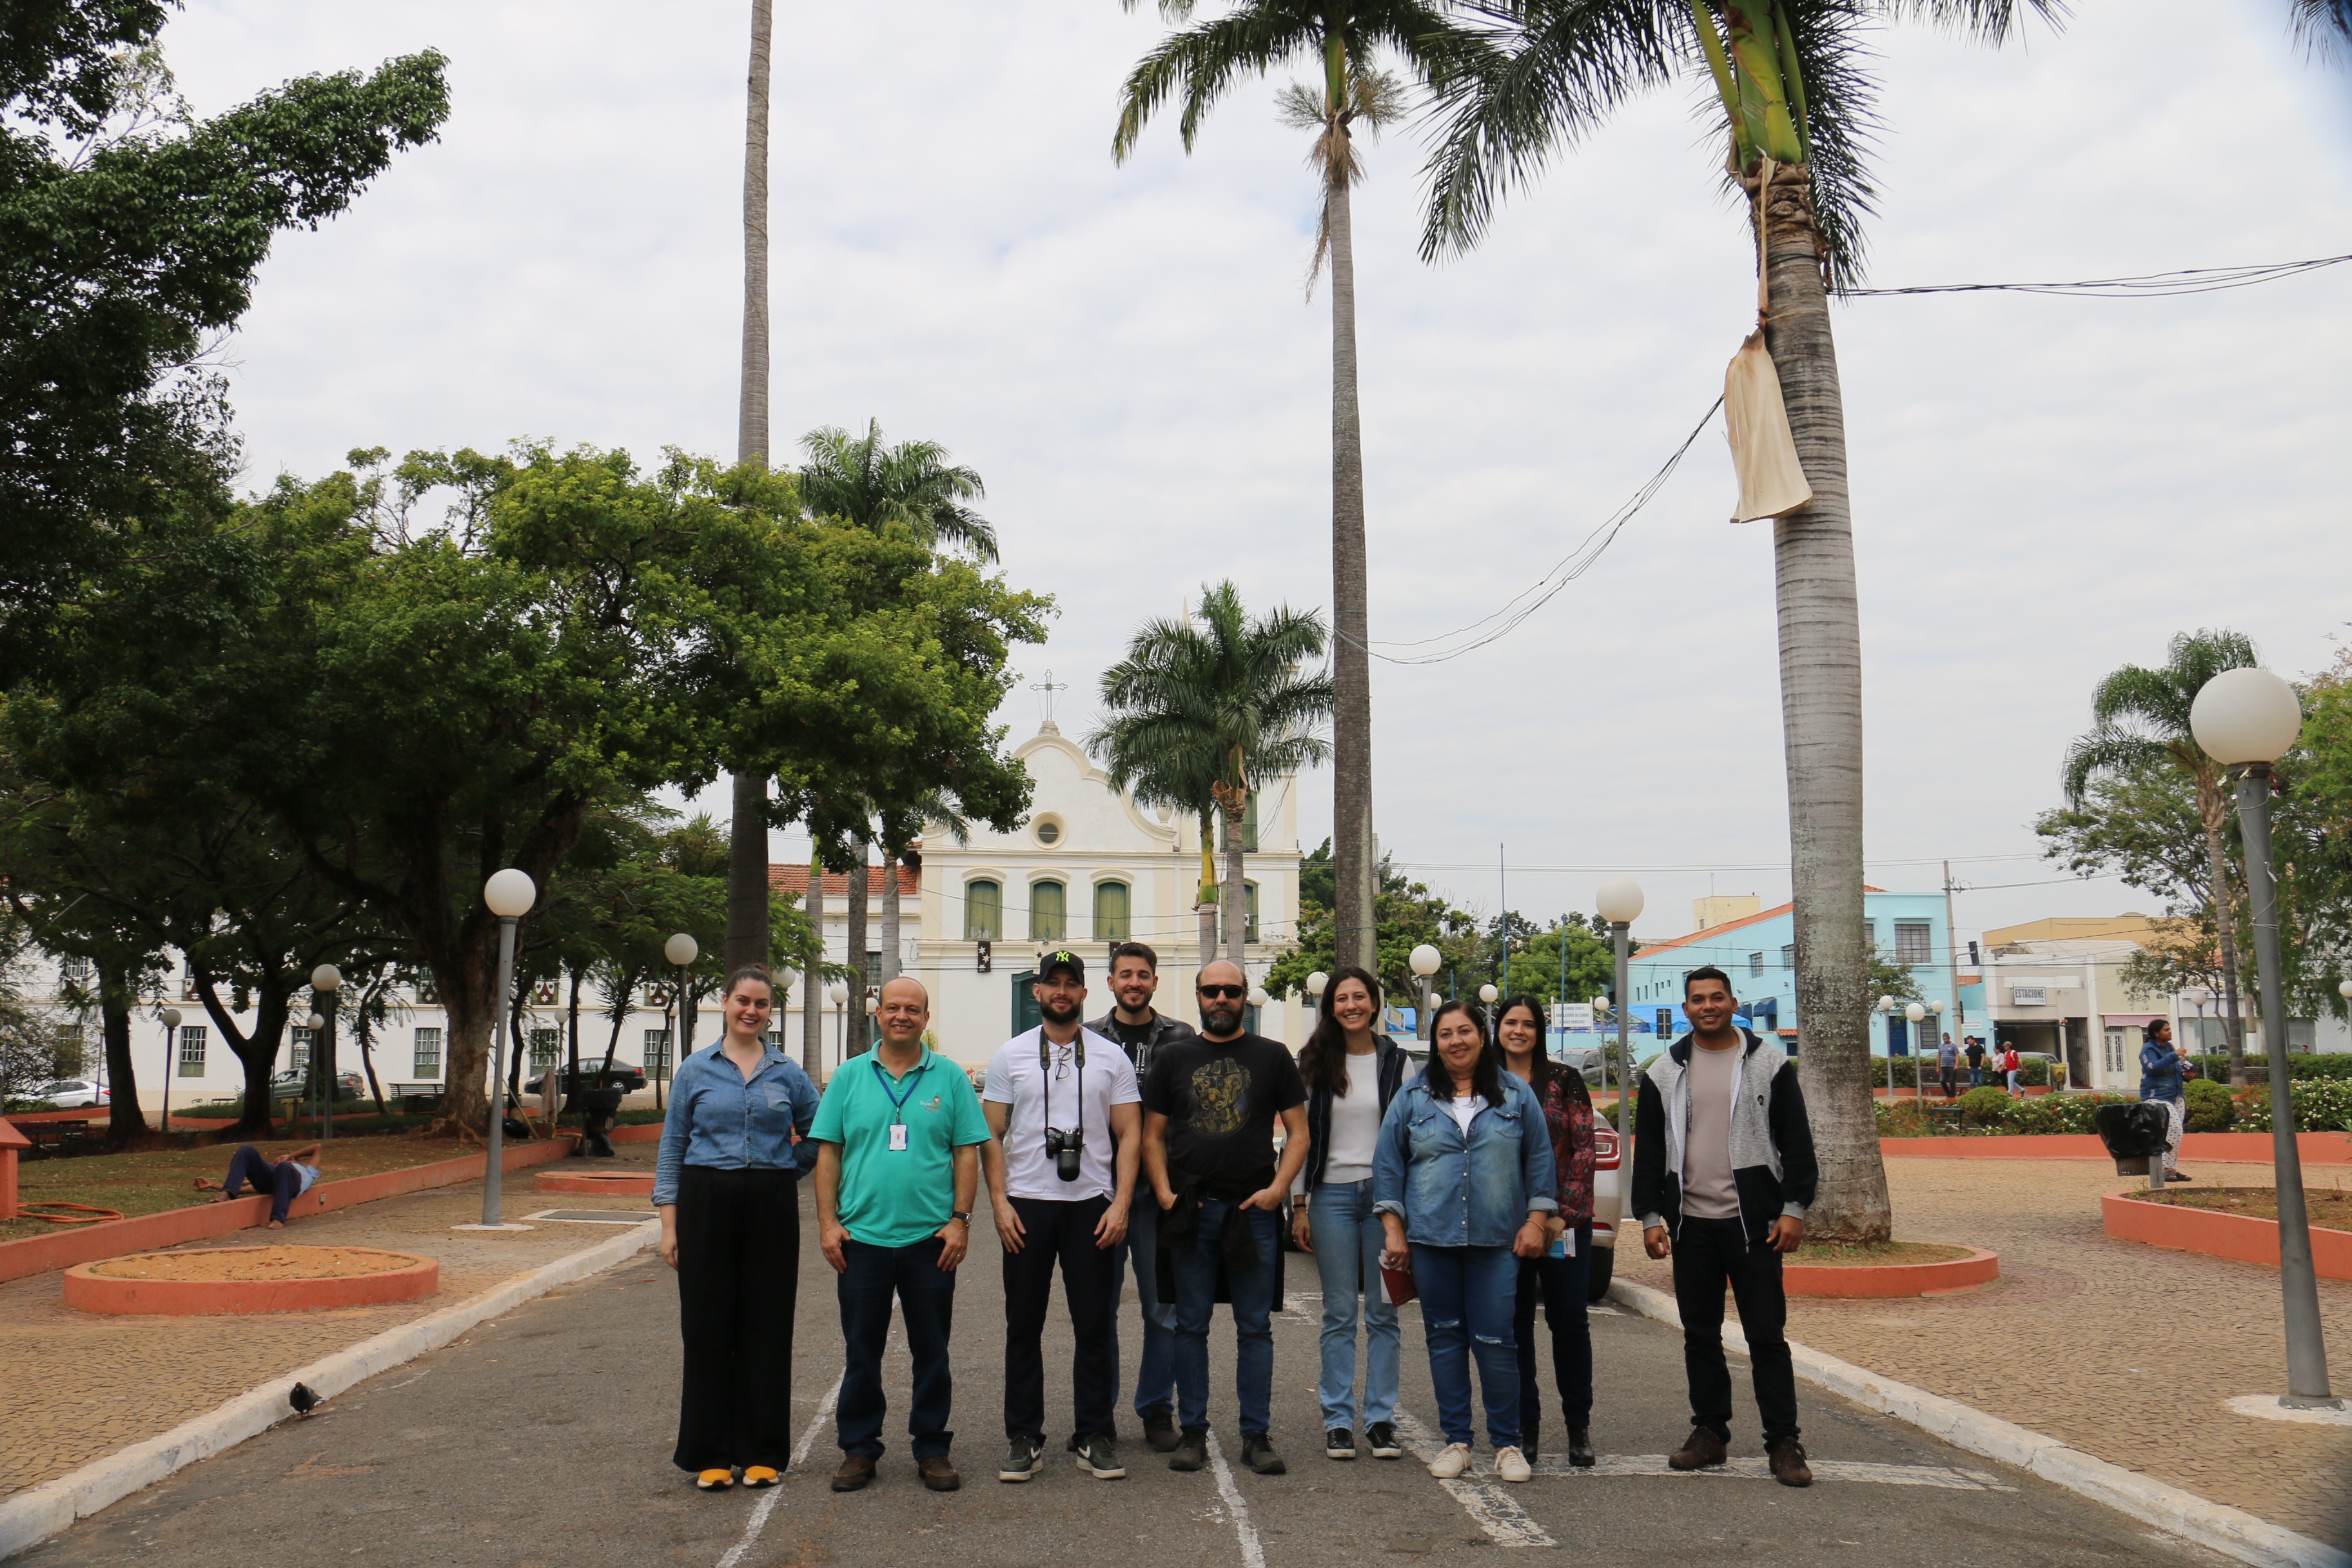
[[1763, 452]]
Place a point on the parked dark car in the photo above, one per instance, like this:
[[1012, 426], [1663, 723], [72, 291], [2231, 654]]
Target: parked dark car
[[627, 1076], [296, 1085]]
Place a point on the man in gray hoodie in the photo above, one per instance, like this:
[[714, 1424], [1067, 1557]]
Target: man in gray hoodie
[[1723, 1173]]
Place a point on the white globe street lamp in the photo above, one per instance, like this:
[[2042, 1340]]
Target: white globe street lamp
[[2246, 719], [1424, 961], [1618, 902], [325, 980], [510, 895], [838, 995], [1487, 994], [681, 950], [169, 1019], [1258, 996], [1315, 984]]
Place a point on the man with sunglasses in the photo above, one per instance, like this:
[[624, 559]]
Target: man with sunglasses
[[1210, 1104], [1066, 1141]]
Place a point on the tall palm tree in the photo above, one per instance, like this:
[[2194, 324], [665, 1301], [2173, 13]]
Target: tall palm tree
[[860, 481], [1791, 76], [747, 857], [2139, 720], [1199, 63], [1219, 684]]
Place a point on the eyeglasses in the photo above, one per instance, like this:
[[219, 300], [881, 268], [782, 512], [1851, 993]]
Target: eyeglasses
[[1229, 993]]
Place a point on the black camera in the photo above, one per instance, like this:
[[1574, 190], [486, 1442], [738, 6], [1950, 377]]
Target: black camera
[[1065, 1148]]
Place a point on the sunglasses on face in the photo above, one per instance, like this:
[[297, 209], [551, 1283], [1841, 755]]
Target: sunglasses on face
[[1227, 992]]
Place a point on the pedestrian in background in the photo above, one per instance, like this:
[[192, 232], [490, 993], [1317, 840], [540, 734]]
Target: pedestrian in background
[[1209, 1109], [1140, 1030], [2162, 1081], [897, 1165], [726, 1186], [1067, 1137], [2009, 1066], [1351, 1074], [1976, 1055], [1561, 1274], [1463, 1186], [1947, 1063], [1723, 1173]]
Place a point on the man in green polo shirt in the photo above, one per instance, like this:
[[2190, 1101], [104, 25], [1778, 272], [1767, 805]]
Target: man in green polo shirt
[[899, 1136]]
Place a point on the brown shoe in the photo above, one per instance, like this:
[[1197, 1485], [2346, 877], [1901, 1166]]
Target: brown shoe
[[856, 1469], [1788, 1461], [938, 1474], [1703, 1450]]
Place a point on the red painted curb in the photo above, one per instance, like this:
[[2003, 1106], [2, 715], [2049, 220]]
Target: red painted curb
[[152, 1232], [2238, 1237], [617, 1184], [2249, 1148], [1874, 1280], [406, 1277], [637, 1133]]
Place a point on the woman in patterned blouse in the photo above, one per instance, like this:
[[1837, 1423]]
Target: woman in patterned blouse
[[1561, 1274]]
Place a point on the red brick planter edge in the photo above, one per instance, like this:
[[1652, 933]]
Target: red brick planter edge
[[2242, 1237], [1888, 1279], [414, 1280]]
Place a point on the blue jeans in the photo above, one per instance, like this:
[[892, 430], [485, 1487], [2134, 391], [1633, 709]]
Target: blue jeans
[[926, 1297], [1196, 1303], [1155, 1375], [1561, 1282], [1976, 1077], [1467, 1297], [1347, 1238]]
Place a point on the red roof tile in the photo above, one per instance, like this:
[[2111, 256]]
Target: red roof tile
[[795, 880]]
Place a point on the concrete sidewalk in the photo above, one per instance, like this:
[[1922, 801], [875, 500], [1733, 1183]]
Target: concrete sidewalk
[[83, 1385], [2124, 1351]]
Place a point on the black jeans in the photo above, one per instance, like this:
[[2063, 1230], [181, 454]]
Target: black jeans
[[926, 1295], [1709, 1254], [1064, 1232], [1560, 1281], [739, 1254]]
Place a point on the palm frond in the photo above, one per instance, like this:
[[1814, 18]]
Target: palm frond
[[1202, 63], [1986, 21], [1842, 112], [2324, 28]]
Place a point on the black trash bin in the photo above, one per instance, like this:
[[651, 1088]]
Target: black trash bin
[[2133, 1133]]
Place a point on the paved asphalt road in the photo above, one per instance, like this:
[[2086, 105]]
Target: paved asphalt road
[[544, 1438]]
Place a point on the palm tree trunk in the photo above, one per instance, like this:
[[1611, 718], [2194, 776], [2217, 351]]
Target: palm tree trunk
[[2212, 810], [1205, 904], [747, 859], [1352, 674], [854, 1030], [1821, 707], [1235, 898], [889, 914], [813, 977]]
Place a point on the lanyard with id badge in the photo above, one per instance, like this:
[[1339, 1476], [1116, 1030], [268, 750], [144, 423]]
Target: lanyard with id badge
[[899, 1101]]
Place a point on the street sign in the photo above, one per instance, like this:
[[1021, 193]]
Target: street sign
[[1574, 1016]]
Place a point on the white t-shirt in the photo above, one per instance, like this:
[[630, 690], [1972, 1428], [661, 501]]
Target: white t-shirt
[[1057, 1097], [1356, 1123], [1465, 1108]]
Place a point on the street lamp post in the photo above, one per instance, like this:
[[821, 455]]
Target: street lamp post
[[1316, 983], [171, 1019], [838, 995], [325, 981], [1424, 961], [2246, 719], [1915, 1015], [510, 894], [1618, 902], [1487, 997]]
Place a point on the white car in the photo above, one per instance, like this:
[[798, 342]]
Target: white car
[[72, 1094]]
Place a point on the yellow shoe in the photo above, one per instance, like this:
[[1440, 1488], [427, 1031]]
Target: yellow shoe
[[759, 1475], [715, 1480]]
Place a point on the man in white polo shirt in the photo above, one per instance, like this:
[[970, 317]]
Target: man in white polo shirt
[[1065, 1109]]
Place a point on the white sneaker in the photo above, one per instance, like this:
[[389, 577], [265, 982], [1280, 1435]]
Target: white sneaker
[[1510, 1465], [1451, 1461]]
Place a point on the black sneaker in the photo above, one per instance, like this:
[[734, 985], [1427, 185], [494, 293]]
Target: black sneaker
[[1531, 1435], [1579, 1447], [1381, 1436], [1257, 1453], [1020, 1460], [1340, 1443], [1192, 1450], [1160, 1430], [1098, 1457]]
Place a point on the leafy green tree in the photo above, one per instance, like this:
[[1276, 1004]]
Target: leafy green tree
[[1792, 81], [131, 234], [2139, 720], [1225, 684], [1200, 64]]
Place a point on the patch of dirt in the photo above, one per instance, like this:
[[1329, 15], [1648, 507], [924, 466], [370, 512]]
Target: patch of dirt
[[2330, 1207], [1842, 1255], [253, 1265]]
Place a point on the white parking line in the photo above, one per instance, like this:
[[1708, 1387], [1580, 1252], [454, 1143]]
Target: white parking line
[[1757, 1469], [1253, 1549], [1483, 1497], [759, 1520]]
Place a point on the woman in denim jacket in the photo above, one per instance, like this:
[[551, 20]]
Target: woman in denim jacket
[[1463, 1184]]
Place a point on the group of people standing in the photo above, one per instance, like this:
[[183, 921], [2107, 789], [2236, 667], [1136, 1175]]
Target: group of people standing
[[1135, 1141]]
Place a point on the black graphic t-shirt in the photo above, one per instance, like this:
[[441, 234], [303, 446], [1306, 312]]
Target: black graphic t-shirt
[[1220, 1098]]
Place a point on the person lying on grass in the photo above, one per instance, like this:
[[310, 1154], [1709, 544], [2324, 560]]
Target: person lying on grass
[[286, 1178]]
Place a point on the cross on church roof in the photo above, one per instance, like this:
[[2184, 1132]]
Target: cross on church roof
[[1049, 686]]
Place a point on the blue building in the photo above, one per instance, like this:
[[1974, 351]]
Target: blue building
[[1758, 950]]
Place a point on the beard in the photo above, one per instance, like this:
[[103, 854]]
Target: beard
[[1222, 1018], [1059, 1015]]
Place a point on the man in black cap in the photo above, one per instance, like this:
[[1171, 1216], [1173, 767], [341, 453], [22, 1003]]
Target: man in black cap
[[1063, 1109]]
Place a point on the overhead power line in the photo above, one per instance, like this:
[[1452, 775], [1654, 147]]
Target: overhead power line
[[2144, 286]]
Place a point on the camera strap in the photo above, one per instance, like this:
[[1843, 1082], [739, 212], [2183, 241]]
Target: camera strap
[[1045, 1075]]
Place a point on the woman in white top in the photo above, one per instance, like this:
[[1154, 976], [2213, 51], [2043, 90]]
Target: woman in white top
[[1352, 1071]]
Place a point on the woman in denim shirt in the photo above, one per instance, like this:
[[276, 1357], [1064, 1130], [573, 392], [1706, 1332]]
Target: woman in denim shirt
[[1463, 1184], [727, 1184]]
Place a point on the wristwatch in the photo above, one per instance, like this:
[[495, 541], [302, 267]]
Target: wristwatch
[[963, 1215]]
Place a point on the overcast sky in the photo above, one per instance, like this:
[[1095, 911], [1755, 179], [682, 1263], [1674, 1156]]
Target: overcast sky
[[2044, 489]]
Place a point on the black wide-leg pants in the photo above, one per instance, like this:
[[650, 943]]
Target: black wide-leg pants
[[739, 1254]]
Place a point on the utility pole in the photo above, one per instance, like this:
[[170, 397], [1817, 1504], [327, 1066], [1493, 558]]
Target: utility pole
[[1952, 955]]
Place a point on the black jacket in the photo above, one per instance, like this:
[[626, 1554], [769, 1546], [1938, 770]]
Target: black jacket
[[1163, 1029], [1391, 1071], [1772, 1164]]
